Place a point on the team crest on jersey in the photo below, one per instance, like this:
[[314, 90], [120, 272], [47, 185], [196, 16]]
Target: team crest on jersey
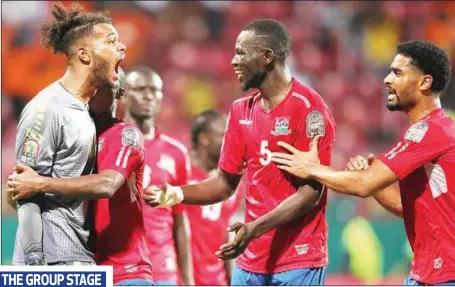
[[315, 124], [281, 126], [130, 137], [417, 132], [30, 151]]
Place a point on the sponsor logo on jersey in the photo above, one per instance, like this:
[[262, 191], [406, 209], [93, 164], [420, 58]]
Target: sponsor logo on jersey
[[437, 263], [303, 98], [245, 122], [301, 249]]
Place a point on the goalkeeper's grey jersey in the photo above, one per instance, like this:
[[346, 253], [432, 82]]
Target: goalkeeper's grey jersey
[[56, 137]]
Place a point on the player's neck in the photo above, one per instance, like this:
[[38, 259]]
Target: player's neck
[[201, 159], [275, 87], [77, 82], [423, 108], [146, 126]]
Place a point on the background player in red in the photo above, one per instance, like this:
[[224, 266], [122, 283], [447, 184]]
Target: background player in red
[[120, 234], [423, 162], [166, 160], [208, 223], [285, 234]]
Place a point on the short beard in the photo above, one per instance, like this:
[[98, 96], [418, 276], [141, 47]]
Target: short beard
[[141, 118], [255, 82], [258, 78], [101, 72], [394, 107]]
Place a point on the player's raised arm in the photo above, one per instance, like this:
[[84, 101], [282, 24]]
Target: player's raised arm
[[422, 143], [27, 182]]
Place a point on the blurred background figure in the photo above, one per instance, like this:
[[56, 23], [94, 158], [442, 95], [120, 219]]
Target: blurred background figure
[[166, 160], [208, 223], [340, 48]]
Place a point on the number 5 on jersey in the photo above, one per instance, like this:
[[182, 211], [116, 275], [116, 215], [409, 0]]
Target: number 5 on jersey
[[265, 152]]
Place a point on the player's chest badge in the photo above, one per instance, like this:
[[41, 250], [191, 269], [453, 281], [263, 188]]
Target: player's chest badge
[[281, 126]]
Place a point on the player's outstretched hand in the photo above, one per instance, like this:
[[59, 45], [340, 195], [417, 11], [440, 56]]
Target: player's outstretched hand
[[359, 162], [23, 183], [163, 195], [243, 236], [297, 162]]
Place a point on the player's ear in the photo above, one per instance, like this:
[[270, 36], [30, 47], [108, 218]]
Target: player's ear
[[84, 55], [425, 82], [269, 56]]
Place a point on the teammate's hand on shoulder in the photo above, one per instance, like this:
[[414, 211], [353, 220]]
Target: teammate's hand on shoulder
[[359, 162], [297, 162], [162, 196], [243, 236], [23, 183]]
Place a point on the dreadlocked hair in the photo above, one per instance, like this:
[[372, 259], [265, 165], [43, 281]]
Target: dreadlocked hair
[[70, 25]]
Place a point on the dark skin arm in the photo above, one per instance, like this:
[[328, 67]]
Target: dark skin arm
[[210, 191], [228, 264], [222, 185], [295, 206], [213, 190], [182, 248], [28, 182]]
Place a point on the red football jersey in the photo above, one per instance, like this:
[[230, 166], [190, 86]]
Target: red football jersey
[[208, 232], [251, 135], [120, 234], [167, 160], [424, 161]]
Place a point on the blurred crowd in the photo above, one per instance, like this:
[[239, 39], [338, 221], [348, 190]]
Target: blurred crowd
[[341, 49]]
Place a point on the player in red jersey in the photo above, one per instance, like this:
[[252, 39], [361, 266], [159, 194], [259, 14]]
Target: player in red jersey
[[166, 160], [207, 130], [285, 234], [120, 234], [423, 161]]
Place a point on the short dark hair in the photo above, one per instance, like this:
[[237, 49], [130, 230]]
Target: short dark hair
[[201, 122], [430, 60], [275, 34], [70, 25]]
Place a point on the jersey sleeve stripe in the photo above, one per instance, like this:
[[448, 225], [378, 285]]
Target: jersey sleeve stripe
[[127, 155], [119, 157]]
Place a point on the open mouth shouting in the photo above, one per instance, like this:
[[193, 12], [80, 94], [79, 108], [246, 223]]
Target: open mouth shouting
[[117, 66]]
